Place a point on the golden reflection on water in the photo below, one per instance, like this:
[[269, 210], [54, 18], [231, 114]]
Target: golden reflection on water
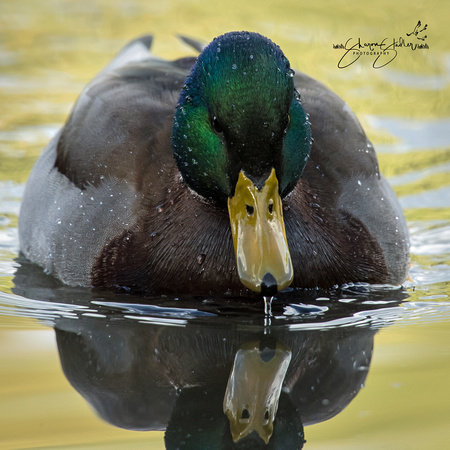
[[50, 49], [40, 408], [396, 410]]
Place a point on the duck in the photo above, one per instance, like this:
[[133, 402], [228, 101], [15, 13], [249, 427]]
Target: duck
[[228, 172]]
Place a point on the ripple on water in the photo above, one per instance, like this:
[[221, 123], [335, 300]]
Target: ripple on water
[[418, 81], [412, 134]]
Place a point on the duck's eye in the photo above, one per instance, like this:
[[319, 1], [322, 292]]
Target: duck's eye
[[286, 128], [216, 125], [270, 208], [250, 210]]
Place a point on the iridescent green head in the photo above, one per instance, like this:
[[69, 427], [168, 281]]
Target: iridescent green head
[[240, 118], [239, 111]]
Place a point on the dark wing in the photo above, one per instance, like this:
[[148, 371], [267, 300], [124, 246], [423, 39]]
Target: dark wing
[[355, 220], [122, 120]]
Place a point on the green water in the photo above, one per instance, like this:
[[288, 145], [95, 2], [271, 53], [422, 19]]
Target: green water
[[48, 51]]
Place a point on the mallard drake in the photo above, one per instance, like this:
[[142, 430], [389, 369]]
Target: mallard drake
[[213, 174]]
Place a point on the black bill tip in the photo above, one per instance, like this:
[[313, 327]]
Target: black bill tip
[[269, 285]]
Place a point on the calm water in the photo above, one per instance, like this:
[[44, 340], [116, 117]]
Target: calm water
[[359, 367]]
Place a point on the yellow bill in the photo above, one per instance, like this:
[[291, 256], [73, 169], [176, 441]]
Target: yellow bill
[[262, 254], [254, 388]]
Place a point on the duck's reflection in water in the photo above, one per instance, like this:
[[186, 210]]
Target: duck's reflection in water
[[213, 377], [254, 387], [212, 386]]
